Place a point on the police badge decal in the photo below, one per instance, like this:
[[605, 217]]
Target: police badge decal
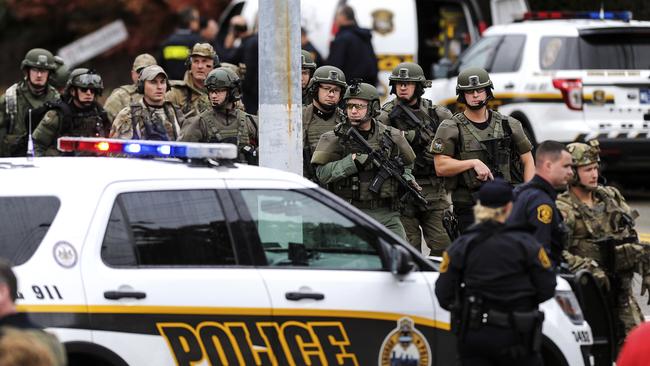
[[405, 346]]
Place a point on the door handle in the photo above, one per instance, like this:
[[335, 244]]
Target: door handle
[[510, 85], [116, 295], [295, 296]]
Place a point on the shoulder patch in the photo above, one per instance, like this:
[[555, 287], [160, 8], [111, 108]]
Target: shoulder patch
[[437, 146], [544, 214], [543, 258], [444, 265]]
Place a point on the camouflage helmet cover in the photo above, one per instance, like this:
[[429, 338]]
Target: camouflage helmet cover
[[584, 153], [143, 60], [307, 61], [39, 58], [329, 75], [473, 78], [408, 71]]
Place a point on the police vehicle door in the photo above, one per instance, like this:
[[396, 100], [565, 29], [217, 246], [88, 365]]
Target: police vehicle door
[[334, 300], [169, 285]]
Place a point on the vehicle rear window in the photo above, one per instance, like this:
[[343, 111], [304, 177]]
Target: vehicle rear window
[[167, 228], [24, 221], [598, 51]]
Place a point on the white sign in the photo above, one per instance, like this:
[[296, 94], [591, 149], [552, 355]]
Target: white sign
[[94, 43]]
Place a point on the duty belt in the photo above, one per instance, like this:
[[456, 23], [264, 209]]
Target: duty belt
[[372, 204], [496, 318]]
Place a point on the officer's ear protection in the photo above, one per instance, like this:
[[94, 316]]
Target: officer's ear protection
[[140, 85], [235, 91]]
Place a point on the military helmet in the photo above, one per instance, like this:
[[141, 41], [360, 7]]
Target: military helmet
[[85, 78], [60, 76], [407, 71], [328, 74], [473, 78], [364, 91], [39, 58], [223, 78], [143, 60], [584, 154], [307, 61]]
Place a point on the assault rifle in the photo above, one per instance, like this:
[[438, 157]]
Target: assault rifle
[[388, 167]]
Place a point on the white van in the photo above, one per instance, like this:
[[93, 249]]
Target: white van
[[423, 31]]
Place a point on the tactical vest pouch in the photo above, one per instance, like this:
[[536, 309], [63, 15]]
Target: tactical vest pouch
[[469, 177]]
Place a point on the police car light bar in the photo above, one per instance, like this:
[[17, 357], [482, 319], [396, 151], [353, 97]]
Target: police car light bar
[[625, 16], [163, 149]]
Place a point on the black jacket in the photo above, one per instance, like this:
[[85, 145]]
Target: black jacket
[[352, 51], [171, 59], [504, 265]]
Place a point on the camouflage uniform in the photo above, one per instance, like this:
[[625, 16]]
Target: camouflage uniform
[[18, 100], [350, 179], [153, 123], [316, 122], [602, 220], [459, 138], [125, 95], [415, 215], [185, 95]]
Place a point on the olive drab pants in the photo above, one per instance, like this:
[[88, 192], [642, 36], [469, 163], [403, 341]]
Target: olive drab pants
[[435, 236], [389, 218]]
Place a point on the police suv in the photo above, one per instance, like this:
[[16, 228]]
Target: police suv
[[568, 80], [196, 260]]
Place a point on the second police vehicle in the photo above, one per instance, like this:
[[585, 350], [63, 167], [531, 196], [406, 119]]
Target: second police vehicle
[[190, 259], [567, 77]]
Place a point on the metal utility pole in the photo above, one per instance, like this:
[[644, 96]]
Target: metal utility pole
[[280, 110]]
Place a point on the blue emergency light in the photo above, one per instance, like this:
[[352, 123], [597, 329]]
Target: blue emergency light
[[144, 148]]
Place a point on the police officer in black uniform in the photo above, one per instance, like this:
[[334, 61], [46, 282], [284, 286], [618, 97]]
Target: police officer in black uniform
[[492, 280], [534, 202]]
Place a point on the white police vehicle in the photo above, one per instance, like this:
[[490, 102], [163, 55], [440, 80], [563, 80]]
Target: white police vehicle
[[568, 80], [193, 261]]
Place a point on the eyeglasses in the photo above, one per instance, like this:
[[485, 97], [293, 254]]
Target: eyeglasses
[[359, 107], [331, 90], [477, 91], [86, 90]]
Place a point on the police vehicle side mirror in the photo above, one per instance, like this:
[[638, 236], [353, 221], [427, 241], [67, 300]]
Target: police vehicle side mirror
[[401, 261], [441, 69]]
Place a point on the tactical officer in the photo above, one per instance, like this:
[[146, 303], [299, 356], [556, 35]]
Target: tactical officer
[[77, 114], [535, 200], [308, 67], [492, 280], [152, 118], [189, 94], [125, 95], [322, 114], [601, 228], [348, 168], [419, 118], [224, 122], [479, 144], [60, 76], [30, 93]]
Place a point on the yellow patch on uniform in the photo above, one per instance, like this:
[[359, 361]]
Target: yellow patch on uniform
[[444, 266], [544, 214], [543, 258]]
